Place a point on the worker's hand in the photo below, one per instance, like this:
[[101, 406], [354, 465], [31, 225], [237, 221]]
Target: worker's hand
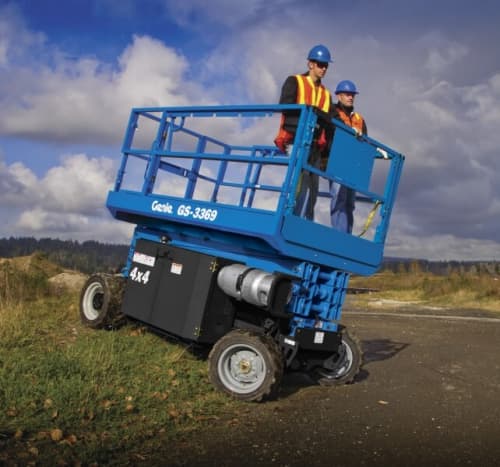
[[321, 143], [283, 139], [383, 153], [357, 133], [280, 143]]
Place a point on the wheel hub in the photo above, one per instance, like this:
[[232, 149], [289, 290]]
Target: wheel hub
[[244, 367], [97, 301]]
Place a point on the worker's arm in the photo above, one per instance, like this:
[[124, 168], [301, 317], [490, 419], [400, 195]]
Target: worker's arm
[[289, 91], [289, 96]]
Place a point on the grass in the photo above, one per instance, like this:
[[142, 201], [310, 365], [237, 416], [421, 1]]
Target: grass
[[69, 395], [457, 290]]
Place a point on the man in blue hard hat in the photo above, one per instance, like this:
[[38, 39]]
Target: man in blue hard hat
[[343, 198], [306, 88]]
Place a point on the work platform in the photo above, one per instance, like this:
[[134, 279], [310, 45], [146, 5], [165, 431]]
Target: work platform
[[209, 178]]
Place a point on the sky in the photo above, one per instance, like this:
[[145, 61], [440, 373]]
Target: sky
[[428, 73]]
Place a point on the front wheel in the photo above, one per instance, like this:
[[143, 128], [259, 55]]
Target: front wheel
[[246, 365], [100, 301], [341, 367]]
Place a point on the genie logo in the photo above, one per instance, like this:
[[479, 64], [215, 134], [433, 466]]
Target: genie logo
[[165, 208]]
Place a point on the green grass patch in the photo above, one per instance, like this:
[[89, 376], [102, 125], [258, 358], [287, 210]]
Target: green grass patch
[[71, 394]]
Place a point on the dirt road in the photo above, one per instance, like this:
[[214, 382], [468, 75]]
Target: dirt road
[[428, 394]]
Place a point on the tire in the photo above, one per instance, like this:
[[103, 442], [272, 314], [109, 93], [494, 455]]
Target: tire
[[100, 301], [245, 365], [347, 363]]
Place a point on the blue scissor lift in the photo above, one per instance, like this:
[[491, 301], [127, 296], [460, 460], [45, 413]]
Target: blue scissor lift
[[218, 255]]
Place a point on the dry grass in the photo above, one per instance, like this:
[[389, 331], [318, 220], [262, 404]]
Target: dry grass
[[473, 291]]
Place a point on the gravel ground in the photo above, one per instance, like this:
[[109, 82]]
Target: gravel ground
[[428, 394]]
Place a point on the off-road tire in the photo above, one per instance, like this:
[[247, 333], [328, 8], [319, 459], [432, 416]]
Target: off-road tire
[[350, 360], [246, 365], [100, 301]]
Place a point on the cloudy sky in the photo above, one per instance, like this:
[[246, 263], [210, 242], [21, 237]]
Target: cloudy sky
[[428, 72]]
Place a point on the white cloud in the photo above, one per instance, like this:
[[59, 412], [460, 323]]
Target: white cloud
[[79, 184], [439, 60], [41, 223], [442, 247], [16, 40], [78, 99], [39, 220], [67, 202], [16, 182]]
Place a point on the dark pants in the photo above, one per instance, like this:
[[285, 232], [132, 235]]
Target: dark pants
[[307, 192]]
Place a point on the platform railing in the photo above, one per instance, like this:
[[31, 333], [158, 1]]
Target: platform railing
[[216, 168]]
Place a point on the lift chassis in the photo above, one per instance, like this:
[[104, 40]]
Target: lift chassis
[[220, 254]]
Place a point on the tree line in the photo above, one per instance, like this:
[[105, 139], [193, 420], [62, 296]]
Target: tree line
[[87, 257], [409, 265], [92, 256]]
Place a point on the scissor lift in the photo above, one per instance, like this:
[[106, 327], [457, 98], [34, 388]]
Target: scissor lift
[[218, 255]]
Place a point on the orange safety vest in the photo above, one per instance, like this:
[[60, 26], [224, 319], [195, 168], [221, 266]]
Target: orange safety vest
[[311, 94], [354, 120]]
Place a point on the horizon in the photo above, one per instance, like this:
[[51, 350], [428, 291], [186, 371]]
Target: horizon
[[127, 245]]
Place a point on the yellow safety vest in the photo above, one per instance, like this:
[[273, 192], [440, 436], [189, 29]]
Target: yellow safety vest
[[311, 94]]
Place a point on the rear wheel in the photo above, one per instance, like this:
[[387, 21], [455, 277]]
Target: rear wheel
[[100, 301], [246, 365], [341, 367]]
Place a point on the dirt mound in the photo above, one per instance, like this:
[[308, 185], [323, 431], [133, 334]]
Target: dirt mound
[[59, 278], [36, 262], [69, 280]]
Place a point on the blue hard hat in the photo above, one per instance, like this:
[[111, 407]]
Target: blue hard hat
[[320, 53], [346, 86]]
